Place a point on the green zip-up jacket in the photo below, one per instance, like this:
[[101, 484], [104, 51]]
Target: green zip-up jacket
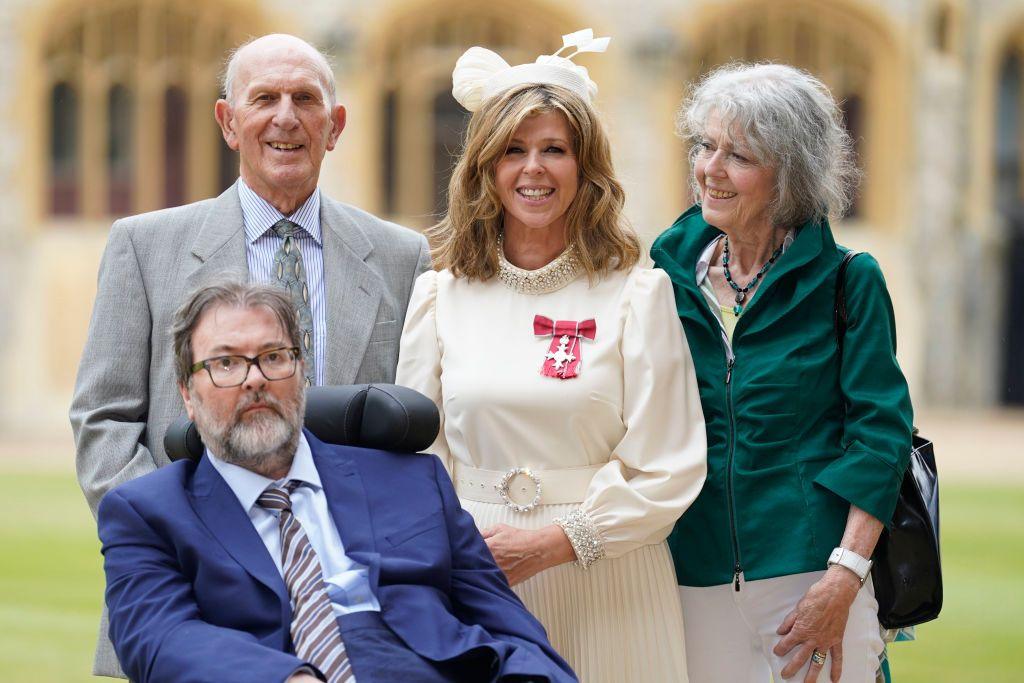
[[796, 433]]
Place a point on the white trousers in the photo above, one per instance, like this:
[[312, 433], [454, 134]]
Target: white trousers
[[730, 634]]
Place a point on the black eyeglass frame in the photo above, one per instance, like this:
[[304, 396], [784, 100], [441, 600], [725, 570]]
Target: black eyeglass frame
[[249, 362]]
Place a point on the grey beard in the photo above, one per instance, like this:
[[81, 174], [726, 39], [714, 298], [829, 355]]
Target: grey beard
[[265, 444]]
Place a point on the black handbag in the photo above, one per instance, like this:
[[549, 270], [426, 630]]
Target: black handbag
[[907, 569]]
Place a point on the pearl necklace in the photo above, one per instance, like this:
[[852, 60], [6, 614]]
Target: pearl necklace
[[561, 271]]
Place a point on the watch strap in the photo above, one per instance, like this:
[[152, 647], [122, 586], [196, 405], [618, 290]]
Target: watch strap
[[860, 566]]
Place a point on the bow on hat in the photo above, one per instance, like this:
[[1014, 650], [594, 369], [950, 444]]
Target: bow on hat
[[481, 73]]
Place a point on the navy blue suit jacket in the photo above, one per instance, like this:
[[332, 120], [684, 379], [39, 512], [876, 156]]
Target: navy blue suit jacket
[[194, 595]]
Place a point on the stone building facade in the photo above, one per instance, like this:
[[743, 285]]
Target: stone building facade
[[106, 107]]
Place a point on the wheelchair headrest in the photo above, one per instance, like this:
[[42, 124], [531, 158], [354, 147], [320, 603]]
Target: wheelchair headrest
[[383, 416]]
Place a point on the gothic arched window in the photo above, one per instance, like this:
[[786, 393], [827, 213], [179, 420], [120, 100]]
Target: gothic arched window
[[175, 146], [1009, 148], [421, 125], [131, 86], [120, 157], [64, 154]]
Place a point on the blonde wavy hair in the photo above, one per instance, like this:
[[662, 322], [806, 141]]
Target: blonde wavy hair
[[465, 241]]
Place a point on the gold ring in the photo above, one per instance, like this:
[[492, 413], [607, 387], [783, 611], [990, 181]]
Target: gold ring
[[818, 657]]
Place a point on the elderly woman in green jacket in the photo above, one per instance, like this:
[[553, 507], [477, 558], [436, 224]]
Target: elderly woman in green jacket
[[807, 443]]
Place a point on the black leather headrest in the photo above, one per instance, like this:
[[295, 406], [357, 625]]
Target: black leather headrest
[[384, 416]]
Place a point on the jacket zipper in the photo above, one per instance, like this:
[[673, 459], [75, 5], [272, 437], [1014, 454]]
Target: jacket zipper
[[730, 359], [729, 494]]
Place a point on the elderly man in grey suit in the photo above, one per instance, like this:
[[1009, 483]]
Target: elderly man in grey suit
[[349, 273]]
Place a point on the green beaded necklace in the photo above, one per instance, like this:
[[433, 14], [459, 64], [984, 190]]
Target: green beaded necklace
[[741, 292]]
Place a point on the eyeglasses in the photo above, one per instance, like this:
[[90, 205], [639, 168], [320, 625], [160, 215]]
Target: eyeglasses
[[231, 371]]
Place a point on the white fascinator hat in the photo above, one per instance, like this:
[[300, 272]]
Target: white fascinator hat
[[481, 73]]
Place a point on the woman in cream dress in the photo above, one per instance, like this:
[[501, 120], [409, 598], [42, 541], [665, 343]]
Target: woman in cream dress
[[571, 422]]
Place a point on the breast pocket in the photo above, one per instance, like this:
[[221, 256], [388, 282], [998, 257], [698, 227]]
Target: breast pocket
[[417, 529], [385, 331]]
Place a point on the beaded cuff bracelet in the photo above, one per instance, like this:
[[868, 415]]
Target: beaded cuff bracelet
[[584, 536]]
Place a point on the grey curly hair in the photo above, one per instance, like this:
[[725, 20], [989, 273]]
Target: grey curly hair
[[791, 122]]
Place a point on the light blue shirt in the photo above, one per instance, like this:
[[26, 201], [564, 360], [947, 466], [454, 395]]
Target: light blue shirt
[[348, 583], [259, 216]]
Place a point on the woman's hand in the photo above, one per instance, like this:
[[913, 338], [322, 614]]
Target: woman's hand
[[818, 623], [521, 553], [819, 620]]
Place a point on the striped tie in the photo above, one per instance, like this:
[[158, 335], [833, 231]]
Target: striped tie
[[314, 628], [291, 274]]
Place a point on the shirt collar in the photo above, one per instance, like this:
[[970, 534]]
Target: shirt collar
[[704, 262], [248, 485], [259, 215]]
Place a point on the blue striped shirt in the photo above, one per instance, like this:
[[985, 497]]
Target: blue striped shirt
[[262, 243]]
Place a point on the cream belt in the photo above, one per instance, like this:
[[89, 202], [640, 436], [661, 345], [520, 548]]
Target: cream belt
[[523, 488]]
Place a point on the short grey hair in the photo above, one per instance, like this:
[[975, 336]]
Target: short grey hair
[[791, 122], [230, 73], [229, 292]]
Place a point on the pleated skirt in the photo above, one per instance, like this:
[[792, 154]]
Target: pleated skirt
[[618, 621]]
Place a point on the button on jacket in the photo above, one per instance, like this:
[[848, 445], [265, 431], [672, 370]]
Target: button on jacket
[[796, 433]]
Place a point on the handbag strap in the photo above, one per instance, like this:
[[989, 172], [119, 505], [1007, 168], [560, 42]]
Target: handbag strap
[[841, 320], [840, 305]]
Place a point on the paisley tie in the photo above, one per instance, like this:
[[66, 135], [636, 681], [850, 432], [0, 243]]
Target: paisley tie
[[291, 274]]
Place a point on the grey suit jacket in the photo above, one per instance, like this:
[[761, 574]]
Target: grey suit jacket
[[126, 392]]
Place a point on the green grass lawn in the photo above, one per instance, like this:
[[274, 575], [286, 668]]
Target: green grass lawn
[[980, 635], [51, 580], [51, 585]]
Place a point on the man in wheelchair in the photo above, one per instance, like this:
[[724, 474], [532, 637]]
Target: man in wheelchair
[[279, 557]]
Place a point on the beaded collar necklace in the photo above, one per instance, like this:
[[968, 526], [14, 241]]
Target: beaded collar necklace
[[741, 292], [561, 271]]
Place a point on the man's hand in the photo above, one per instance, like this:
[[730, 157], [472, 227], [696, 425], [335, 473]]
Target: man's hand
[[818, 623], [303, 678], [522, 553]]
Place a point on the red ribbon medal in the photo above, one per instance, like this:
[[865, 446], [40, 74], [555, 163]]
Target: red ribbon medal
[[565, 355]]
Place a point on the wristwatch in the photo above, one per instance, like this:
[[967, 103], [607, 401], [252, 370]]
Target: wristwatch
[[852, 561]]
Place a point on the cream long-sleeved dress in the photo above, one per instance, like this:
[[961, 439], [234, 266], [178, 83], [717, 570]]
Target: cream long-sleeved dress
[[619, 450]]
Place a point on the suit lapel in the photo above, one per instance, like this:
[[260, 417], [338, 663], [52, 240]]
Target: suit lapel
[[219, 247], [347, 501], [353, 291], [218, 507]]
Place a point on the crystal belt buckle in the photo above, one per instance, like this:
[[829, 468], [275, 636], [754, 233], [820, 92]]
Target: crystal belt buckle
[[506, 482]]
